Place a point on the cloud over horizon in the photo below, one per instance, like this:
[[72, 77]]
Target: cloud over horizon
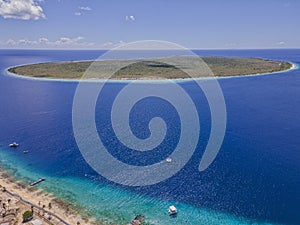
[[281, 43], [45, 42], [21, 9]]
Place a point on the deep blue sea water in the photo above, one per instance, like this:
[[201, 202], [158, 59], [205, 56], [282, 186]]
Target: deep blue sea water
[[254, 179]]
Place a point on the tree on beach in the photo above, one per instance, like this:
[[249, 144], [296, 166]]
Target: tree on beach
[[43, 209], [27, 216]]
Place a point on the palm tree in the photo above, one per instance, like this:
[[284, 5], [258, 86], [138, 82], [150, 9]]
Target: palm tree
[[43, 209]]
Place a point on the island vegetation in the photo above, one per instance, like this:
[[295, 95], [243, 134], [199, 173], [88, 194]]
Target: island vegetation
[[150, 68]]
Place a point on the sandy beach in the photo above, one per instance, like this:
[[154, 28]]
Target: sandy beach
[[39, 198]]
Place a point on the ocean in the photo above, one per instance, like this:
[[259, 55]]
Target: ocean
[[254, 179]]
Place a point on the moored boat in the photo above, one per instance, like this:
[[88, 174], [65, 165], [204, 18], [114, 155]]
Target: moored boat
[[172, 210], [14, 145], [168, 160]]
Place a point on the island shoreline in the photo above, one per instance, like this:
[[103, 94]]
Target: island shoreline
[[294, 66]]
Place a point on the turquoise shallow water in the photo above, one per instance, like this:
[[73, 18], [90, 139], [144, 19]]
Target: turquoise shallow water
[[254, 180], [116, 205]]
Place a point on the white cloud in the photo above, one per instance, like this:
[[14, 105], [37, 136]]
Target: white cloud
[[82, 9], [85, 8], [281, 43], [110, 44], [45, 42], [21, 9], [68, 41], [59, 43], [10, 42], [130, 18]]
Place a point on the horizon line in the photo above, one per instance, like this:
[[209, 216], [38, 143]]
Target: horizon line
[[107, 49]]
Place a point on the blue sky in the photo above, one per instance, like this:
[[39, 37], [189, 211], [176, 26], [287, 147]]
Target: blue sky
[[198, 24]]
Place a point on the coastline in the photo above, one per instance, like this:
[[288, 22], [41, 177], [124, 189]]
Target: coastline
[[291, 76], [37, 197], [294, 66], [72, 216]]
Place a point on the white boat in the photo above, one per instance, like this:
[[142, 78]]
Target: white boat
[[13, 145], [168, 160], [172, 210]]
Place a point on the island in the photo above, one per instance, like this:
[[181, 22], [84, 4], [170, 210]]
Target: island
[[151, 68]]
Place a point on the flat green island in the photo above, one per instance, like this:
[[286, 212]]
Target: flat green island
[[151, 68]]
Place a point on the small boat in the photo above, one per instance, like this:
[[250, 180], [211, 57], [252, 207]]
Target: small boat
[[14, 145], [172, 210], [168, 160], [25, 151]]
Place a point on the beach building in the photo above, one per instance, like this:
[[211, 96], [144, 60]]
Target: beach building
[[36, 222]]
